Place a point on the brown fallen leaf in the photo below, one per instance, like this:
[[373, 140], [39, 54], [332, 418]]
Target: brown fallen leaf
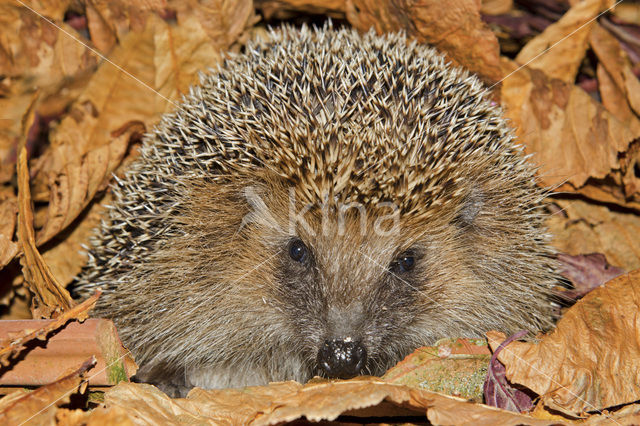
[[290, 401], [628, 415], [616, 61], [585, 272], [498, 392], [571, 136], [34, 49], [583, 227], [614, 99], [92, 140], [453, 366], [222, 20], [66, 254], [50, 298], [496, 7], [8, 214], [456, 30], [99, 416], [13, 108], [628, 12], [110, 21], [283, 9], [590, 361], [40, 405], [560, 48], [10, 348], [63, 348]]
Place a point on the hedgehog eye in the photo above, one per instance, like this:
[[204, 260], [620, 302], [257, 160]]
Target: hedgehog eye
[[404, 263], [297, 250]]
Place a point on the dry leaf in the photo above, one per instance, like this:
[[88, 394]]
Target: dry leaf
[[628, 415], [65, 253], [589, 228], [110, 21], [31, 47], [498, 392], [628, 12], [289, 401], [496, 7], [222, 20], [613, 57], [13, 108], [11, 348], [614, 99], [453, 366], [40, 405], [585, 272], [590, 361], [8, 212], [93, 139], [560, 48], [571, 136], [283, 9], [456, 30], [64, 347], [96, 417], [50, 298]]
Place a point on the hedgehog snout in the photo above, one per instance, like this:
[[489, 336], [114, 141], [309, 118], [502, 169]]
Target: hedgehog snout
[[342, 358]]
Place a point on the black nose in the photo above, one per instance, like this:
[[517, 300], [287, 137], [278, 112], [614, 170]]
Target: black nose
[[342, 358]]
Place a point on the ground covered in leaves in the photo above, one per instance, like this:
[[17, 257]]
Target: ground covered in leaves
[[82, 80]]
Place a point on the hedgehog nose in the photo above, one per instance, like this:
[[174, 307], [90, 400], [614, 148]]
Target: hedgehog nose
[[342, 358]]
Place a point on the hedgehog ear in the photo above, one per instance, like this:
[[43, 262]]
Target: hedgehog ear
[[472, 205]]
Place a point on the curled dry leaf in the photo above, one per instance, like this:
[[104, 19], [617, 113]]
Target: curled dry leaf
[[591, 360], [50, 298], [586, 272], [40, 405], [10, 348], [456, 30], [498, 392], [582, 227], [560, 48], [453, 366], [572, 137], [315, 401]]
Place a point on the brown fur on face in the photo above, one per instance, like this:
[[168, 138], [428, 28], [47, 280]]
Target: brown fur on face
[[250, 307]]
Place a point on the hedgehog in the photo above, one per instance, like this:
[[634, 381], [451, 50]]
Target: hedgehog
[[322, 203]]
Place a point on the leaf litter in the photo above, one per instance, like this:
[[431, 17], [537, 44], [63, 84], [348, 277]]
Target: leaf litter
[[71, 118]]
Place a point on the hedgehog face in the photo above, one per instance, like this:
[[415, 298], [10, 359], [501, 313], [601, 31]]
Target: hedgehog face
[[354, 292]]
